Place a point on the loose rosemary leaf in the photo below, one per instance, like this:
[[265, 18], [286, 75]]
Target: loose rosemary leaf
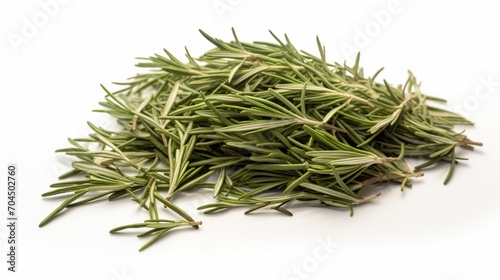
[[260, 125]]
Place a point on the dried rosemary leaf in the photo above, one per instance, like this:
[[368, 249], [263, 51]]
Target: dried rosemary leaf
[[259, 124]]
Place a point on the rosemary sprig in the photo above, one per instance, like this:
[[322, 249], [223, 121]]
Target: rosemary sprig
[[268, 123]]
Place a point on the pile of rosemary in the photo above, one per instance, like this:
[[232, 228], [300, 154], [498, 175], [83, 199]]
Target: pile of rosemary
[[266, 123]]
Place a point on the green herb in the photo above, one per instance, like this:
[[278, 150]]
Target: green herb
[[261, 125]]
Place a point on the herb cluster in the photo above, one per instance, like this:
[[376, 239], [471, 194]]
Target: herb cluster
[[270, 124]]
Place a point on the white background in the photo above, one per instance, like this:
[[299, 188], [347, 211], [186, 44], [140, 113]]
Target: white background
[[50, 77]]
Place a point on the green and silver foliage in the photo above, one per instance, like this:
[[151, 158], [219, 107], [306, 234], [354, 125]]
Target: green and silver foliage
[[269, 123]]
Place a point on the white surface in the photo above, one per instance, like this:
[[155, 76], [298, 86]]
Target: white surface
[[51, 84]]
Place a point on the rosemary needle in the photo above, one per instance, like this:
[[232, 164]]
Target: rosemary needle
[[272, 124]]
